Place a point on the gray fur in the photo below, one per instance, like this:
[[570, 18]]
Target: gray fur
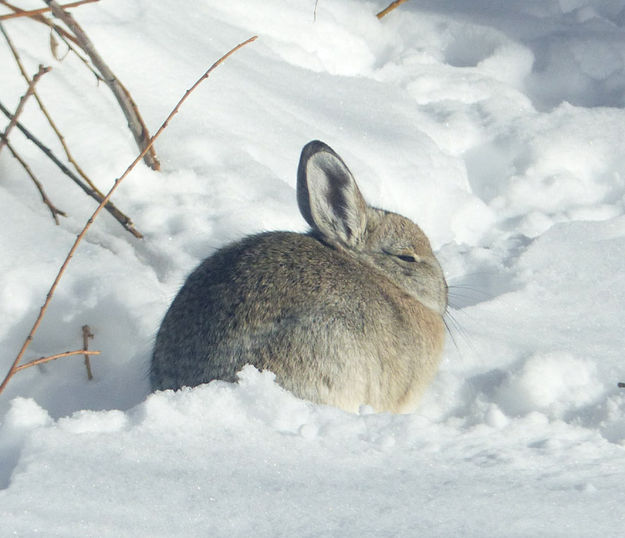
[[348, 314]]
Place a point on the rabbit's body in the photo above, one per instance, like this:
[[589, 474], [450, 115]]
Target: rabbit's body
[[349, 314]]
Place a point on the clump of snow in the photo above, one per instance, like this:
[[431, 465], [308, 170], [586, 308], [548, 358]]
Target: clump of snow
[[498, 127], [23, 416], [553, 383]]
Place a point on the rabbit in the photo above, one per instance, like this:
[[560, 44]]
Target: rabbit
[[348, 314]]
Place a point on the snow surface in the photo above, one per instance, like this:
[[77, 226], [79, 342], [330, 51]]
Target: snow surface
[[498, 126]]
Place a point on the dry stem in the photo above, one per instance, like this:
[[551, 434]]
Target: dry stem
[[72, 251], [65, 37], [43, 20], [128, 106], [31, 87], [43, 360], [390, 8], [125, 221], [53, 209], [33, 12], [44, 110], [86, 334]]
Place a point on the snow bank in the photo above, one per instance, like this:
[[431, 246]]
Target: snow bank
[[498, 127], [251, 459]]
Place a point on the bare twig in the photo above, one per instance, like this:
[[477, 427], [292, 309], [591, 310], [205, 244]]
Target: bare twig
[[315, 11], [65, 38], [390, 8], [110, 193], [128, 106], [31, 87], [43, 360], [32, 12], [86, 334], [124, 220], [61, 138], [43, 20], [53, 209]]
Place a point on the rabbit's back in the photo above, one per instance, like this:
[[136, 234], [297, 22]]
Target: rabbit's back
[[332, 328]]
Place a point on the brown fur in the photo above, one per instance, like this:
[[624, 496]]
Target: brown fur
[[346, 315]]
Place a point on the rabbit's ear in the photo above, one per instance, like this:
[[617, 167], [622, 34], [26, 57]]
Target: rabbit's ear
[[328, 196]]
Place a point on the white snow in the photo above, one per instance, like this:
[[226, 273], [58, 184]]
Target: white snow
[[498, 126]]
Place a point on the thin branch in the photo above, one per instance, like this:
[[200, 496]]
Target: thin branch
[[43, 360], [53, 209], [124, 220], [128, 106], [390, 8], [33, 12], [61, 138], [43, 20], [31, 87], [65, 37], [110, 193], [86, 334]]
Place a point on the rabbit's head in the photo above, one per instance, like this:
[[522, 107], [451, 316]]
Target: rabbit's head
[[332, 204]]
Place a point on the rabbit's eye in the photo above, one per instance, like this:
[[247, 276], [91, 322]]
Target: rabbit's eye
[[404, 256]]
